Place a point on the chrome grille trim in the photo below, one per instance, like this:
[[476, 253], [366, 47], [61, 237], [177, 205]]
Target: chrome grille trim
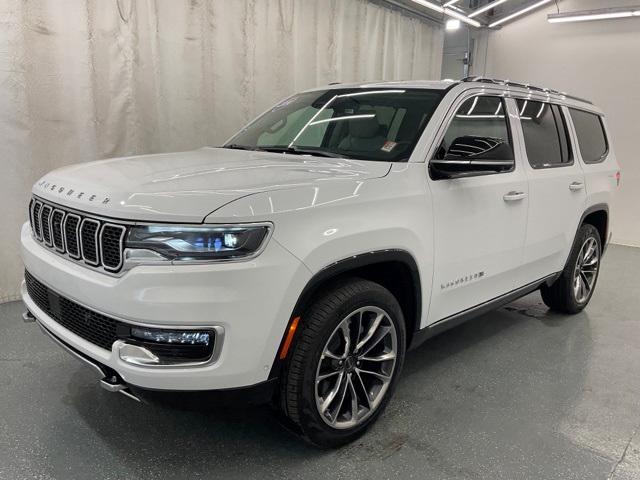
[[75, 255], [96, 235], [45, 224], [123, 230], [78, 236], [60, 248], [37, 231]]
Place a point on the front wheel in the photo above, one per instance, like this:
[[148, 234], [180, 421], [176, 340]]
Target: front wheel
[[571, 292], [346, 362]]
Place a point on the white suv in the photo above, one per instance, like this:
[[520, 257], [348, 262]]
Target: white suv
[[301, 260]]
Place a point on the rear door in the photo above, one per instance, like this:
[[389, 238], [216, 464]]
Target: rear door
[[601, 170], [556, 188], [479, 219]]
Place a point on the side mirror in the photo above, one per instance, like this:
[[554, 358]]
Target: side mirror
[[470, 155]]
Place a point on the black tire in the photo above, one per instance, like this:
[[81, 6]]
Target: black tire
[[561, 296], [319, 323]]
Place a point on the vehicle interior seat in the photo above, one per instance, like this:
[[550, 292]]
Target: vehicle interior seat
[[364, 134]]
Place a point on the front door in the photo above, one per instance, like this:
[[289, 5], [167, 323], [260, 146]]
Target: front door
[[479, 219]]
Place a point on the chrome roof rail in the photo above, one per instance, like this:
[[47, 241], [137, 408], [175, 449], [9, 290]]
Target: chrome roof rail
[[508, 83]]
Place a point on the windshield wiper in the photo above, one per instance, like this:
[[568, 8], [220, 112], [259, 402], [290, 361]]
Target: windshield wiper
[[236, 146], [300, 151]]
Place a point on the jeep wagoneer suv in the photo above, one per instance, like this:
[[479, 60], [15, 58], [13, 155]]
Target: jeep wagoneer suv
[[298, 262]]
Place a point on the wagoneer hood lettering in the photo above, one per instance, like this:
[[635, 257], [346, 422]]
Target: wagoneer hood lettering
[[187, 186]]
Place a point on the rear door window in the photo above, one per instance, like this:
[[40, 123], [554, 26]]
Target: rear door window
[[592, 139], [545, 134]]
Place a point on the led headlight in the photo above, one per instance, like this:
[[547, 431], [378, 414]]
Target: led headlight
[[199, 242]]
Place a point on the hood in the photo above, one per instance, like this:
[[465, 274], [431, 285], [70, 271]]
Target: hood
[[187, 186]]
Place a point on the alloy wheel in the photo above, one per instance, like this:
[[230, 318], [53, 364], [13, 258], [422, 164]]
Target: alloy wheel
[[586, 270], [356, 367]]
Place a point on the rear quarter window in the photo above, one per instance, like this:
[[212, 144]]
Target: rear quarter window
[[592, 139]]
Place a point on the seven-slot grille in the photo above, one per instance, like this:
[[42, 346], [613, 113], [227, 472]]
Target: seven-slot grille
[[82, 238]]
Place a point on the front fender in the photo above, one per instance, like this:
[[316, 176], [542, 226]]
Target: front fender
[[331, 221]]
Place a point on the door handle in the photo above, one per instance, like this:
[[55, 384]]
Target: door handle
[[514, 196], [576, 186]]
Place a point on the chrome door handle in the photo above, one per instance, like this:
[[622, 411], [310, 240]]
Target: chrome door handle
[[514, 196], [576, 186]]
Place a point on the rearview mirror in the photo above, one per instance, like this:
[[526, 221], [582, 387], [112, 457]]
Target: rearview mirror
[[472, 155]]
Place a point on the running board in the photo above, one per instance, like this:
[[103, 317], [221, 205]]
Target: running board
[[459, 318]]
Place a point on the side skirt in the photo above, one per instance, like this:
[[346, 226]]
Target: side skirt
[[456, 319]]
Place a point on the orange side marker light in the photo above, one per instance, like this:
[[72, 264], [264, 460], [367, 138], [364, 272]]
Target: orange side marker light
[[287, 341]]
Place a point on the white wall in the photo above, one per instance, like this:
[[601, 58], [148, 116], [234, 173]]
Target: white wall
[[598, 60], [82, 80]]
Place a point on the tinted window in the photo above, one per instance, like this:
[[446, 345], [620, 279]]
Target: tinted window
[[591, 137], [478, 130], [368, 124], [545, 134]]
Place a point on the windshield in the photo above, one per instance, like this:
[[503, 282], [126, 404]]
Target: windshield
[[365, 124]]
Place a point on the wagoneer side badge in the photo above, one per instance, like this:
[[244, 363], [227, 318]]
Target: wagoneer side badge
[[461, 281]]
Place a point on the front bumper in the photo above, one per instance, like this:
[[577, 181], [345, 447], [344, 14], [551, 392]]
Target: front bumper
[[250, 301]]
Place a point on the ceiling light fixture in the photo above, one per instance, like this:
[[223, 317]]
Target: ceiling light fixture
[[599, 14], [448, 11], [488, 6], [452, 24], [461, 17], [431, 5], [518, 13], [451, 2]]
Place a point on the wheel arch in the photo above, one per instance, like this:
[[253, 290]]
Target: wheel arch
[[598, 216], [393, 269]]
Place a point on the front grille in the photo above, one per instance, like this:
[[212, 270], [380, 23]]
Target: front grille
[[71, 224], [44, 223], [111, 243], [56, 230], [93, 241], [102, 330], [35, 218], [89, 241]]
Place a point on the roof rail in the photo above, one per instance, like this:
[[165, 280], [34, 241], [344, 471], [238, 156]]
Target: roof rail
[[498, 81]]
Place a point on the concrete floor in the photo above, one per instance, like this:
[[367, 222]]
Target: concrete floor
[[518, 394]]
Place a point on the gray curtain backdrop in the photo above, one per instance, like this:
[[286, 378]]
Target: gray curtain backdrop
[[85, 80]]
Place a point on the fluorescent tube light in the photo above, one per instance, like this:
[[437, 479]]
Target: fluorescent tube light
[[488, 6], [519, 12], [432, 6], [447, 11], [460, 16], [599, 14], [451, 2]]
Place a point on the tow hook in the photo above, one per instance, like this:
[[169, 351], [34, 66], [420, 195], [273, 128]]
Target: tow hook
[[115, 384]]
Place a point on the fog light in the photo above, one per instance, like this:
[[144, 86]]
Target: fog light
[[179, 337]]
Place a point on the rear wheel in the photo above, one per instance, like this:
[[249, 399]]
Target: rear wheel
[[346, 362], [571, 292]]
